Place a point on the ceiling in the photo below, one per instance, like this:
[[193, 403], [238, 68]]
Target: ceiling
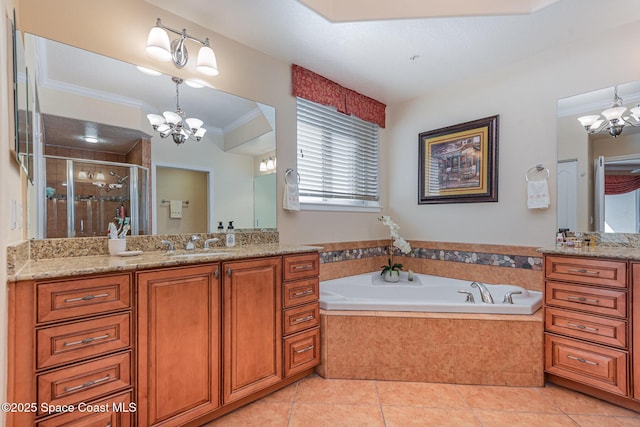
[[395, 59]]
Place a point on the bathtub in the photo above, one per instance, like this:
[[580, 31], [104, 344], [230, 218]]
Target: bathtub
[[425, 293]]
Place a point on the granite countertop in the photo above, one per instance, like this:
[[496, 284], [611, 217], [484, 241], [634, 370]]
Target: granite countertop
[[61, 267], [619, 252]]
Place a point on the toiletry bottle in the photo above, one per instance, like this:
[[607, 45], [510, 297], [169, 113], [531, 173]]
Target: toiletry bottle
[[231, 237], [559, 239], [220, 227]]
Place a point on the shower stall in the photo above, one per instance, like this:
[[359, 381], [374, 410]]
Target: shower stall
[[83, 196]]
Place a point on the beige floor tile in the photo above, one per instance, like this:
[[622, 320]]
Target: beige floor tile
[[524, 419], [286, 394], [601, 421], [318, 390], [572, 402], [409, 416], [258, 414], [513, 399], [420, 394], [332, 415]]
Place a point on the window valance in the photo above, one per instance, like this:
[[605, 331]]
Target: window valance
[[313, 87], [619, 184]]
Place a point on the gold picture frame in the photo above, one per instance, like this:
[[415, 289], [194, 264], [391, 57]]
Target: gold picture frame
[[459, 163]]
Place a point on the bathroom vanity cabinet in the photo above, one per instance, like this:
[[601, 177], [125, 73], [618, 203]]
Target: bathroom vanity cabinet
[[172, 346], [589, 326]]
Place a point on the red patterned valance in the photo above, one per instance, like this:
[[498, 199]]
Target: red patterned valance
[[619, 184], [313, 87]]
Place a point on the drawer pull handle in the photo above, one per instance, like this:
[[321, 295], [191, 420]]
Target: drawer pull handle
[[303, 267], [583, 271], [582, 299], [87, 384], [585, 328], [581, 360], [86, 340], [87, 298], [307, 292], [304, 350], [303, 319]]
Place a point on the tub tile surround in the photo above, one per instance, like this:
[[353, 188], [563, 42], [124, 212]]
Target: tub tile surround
[[500, 264]]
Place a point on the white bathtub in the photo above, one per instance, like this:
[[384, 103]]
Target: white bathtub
[[425, 294]]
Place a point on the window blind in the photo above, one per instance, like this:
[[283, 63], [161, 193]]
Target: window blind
[[338, 156]]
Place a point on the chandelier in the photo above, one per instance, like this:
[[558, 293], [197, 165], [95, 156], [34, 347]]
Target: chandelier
[[175, 124], [611, 120]]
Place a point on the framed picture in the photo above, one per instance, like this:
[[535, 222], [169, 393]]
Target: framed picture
[[459, 163]]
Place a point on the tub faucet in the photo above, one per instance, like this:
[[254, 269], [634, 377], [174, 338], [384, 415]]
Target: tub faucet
[[209, 241], [484, 292], [508, 297], [190, 244]]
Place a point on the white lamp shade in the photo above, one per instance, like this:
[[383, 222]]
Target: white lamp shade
[[200, 132], [587, 121], [194, 124], [163, 128], [82, 175], [595, 125], [171, 117], [158, 44], [207, 63], [263, 166], [614, 113], [270, 165], [635, 112], [100, 176], [155, 119]]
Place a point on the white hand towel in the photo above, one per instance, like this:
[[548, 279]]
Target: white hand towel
[[291, 199], [175, 209], [538, 194]]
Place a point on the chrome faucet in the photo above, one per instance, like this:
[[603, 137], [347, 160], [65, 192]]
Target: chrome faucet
[[508, 297], [190, 244], [209, 241], [484, 292], [169, 243]]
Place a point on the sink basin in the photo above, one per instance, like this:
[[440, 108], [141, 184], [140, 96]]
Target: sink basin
[[198, 255]]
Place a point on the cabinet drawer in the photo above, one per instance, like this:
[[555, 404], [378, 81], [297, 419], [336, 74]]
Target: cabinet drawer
[[300, 292], [608, 302], [83, 297], [113, 411], [590, 364], [300, 318], [587, 271], [587, 327], [76, 341], [301, 351], [301, 266], [85, 381]]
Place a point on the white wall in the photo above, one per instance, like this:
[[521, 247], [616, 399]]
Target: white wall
[[525, 97]]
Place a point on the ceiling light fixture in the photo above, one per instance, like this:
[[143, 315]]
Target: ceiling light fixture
[[160, 48], [91, 139], [614, 121], [175, 124]]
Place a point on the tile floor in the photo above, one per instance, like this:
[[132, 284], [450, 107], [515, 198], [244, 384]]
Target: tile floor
[[314, 401]]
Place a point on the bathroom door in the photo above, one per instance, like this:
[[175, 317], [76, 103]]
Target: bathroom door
[[568, 194]]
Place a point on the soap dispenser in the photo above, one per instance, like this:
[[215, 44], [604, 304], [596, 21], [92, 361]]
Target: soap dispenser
[[231, 237], [220, 227]]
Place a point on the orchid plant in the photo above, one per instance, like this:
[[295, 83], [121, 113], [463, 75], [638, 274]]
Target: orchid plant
[[396, 241]]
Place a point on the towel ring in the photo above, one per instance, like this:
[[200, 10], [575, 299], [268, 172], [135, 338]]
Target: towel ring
[[536, 168], [290, 171]]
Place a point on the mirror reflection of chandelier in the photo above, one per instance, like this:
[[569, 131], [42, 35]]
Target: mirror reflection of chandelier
[[175, 124], [611, 120]]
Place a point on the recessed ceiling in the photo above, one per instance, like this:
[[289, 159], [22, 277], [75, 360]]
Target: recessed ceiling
[[370, 10]]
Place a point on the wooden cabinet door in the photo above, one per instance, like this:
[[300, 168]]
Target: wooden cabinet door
[[635, 316], [178, 344], [252, 346]]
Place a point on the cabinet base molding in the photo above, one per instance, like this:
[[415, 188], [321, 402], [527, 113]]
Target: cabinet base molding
[[594, 392], [249, 399]]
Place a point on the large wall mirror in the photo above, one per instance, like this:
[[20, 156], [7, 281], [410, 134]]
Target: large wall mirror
[[92, 111], [599, 174]]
